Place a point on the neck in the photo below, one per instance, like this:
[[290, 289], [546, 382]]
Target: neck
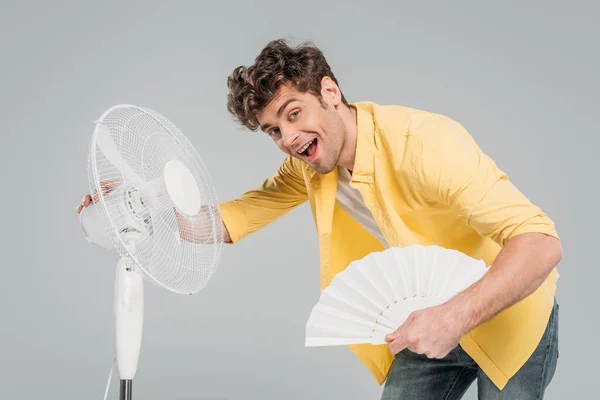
[[348, 151]]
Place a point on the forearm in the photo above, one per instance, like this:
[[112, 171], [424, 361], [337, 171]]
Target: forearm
[[200, 229], [519, 269]]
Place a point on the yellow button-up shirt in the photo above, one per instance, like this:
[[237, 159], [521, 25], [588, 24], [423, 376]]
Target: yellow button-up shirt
[[426, 182]]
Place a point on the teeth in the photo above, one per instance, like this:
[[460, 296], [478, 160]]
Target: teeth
[[305, 147]]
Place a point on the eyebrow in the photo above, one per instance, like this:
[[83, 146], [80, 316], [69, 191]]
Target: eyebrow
[[283, 106]]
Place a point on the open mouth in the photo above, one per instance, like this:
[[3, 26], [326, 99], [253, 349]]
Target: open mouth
[[309, 149]]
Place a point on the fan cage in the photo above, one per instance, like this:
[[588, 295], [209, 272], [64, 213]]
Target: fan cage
[[173, 250]]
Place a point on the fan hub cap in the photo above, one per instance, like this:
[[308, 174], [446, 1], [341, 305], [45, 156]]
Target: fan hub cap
[[182, 188]]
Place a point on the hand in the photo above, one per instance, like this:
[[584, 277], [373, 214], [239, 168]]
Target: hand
[[432, 331], [106, 187]]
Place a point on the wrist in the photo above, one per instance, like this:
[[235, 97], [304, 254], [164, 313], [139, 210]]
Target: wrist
[[463, 309]]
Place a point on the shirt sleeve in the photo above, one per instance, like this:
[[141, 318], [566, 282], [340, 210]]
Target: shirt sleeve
[[257, 208], [452, 169]]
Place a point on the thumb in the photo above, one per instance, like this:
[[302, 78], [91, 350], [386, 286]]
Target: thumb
[[397, 333]]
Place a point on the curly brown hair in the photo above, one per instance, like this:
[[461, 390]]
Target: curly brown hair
[[252, 88]]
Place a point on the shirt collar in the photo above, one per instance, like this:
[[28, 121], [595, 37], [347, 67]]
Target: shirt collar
[[365, 143]]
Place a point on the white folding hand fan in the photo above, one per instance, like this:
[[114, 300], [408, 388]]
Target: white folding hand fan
[[373, 296]]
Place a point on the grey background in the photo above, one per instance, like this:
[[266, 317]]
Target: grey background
[[522, 79]]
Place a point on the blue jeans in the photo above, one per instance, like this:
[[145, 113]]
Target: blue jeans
[[416, 377]]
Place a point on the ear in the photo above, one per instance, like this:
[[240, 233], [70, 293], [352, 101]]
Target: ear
[[330, 91]]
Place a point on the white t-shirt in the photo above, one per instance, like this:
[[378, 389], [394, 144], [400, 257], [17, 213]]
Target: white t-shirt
[[352, 202]]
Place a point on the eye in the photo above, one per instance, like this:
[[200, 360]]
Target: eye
[[295, 114], [274, 131]]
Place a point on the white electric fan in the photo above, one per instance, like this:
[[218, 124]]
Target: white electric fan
[[373, 296], [157, 208]]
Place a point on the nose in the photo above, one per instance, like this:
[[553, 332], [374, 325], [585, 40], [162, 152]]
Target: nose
[[290, 137]]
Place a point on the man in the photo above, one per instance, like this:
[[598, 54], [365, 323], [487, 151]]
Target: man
[[378, 176]]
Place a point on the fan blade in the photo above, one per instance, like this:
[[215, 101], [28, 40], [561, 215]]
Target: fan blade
[[371, 271], [328, 326], [111, 152], [333, 298], [405, 268], [319, 335], [342, 325], [399, 311], [353, 278]]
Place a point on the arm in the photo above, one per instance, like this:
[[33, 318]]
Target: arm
[[253, 210], [259, 207], [519, 269], [451, 169], [199, 228], [455, 171]]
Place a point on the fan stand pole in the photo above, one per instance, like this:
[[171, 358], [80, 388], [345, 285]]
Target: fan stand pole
[[129, 316], [125, 389]]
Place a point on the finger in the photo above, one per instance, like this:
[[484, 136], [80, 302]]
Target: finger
[[87, 200], [392, 336], [107, 186], [397, 333], [113, 184], [79, 208], [397, 345]]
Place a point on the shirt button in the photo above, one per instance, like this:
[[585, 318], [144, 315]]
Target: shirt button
[[369, 178]]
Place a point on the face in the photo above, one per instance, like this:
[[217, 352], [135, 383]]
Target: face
[[306, 128]]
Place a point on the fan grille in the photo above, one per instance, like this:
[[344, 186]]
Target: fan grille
[[172, 250]]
